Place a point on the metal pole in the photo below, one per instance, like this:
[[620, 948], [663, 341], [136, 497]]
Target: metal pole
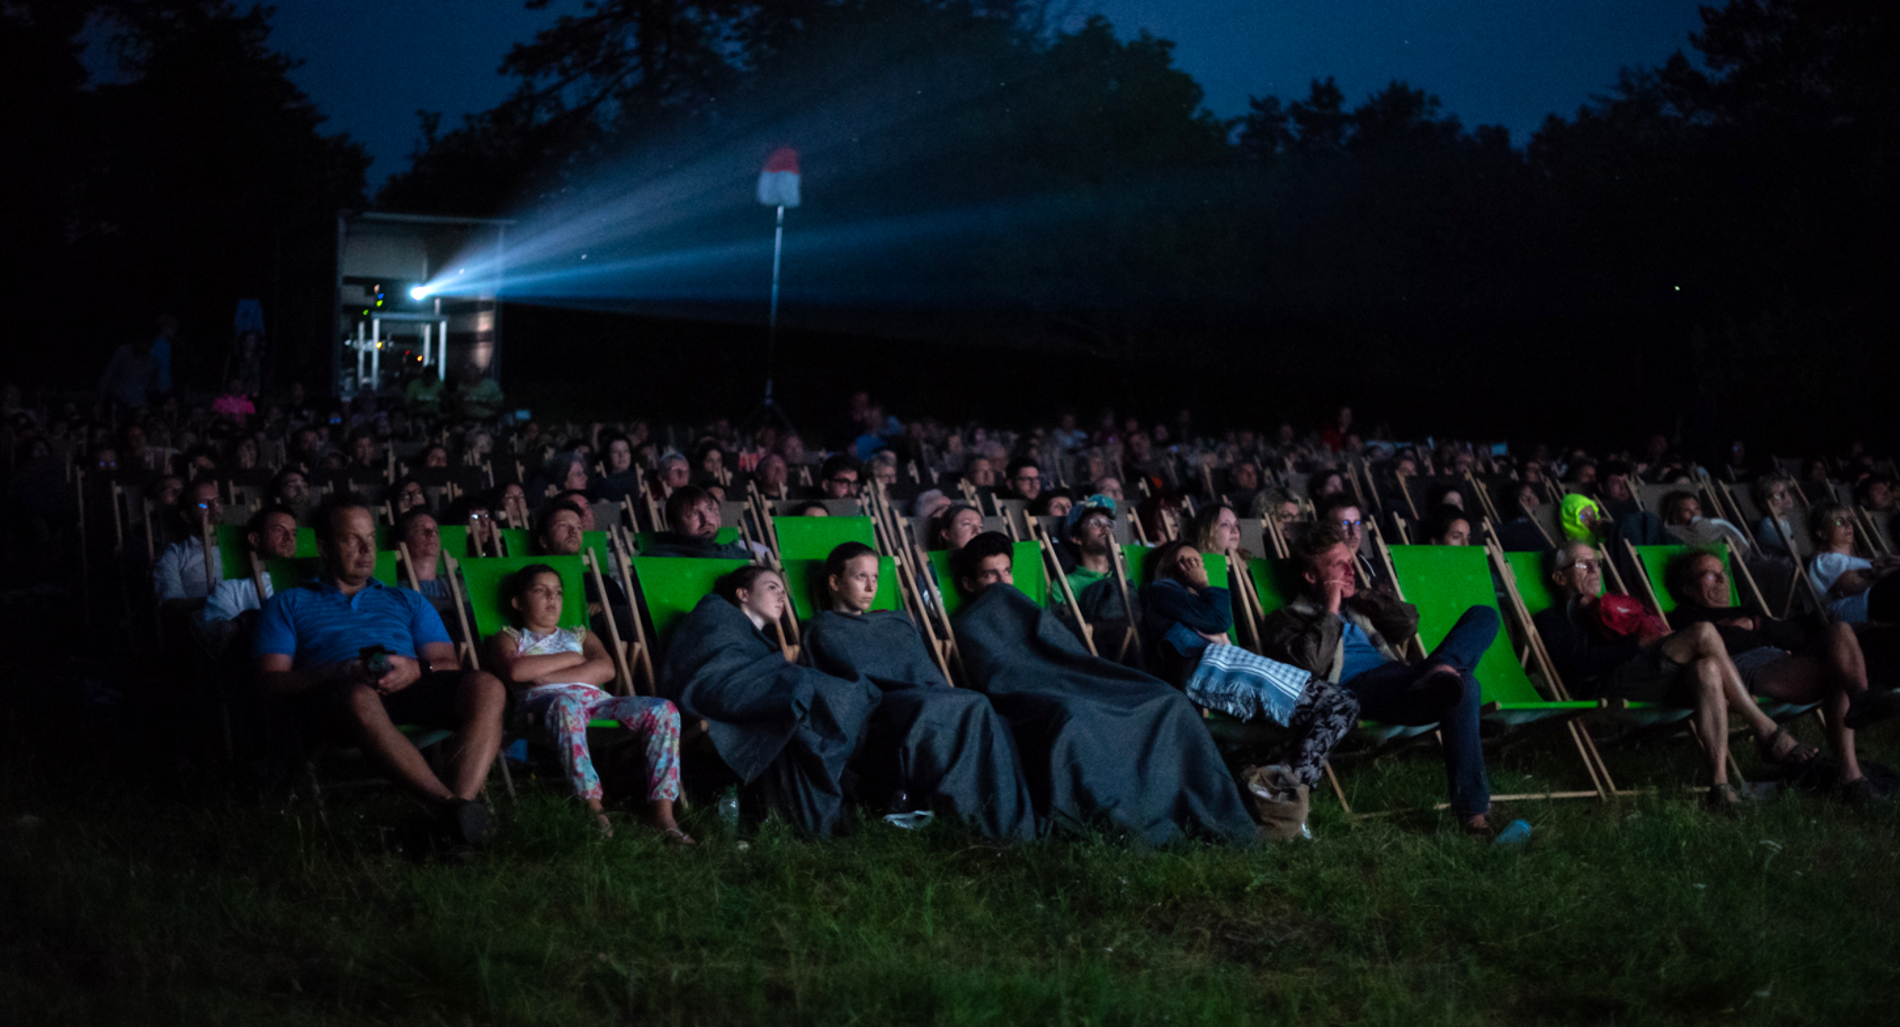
[[771, 331]]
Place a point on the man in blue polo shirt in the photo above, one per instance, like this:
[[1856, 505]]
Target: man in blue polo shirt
[[357, 658]]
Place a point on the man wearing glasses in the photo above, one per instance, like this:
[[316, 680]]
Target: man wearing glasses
[[1342, 511], [839, 475], [1025, 479], [1354, 638], [179, 577], [1787, 660]]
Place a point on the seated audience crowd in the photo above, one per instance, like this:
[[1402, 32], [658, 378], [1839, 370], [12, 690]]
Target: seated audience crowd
[[1137, 628]]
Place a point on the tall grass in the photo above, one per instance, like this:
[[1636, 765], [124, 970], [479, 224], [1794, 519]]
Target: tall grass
[[128, 905]]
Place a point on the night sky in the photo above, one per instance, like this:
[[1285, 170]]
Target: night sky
[[370, 64]]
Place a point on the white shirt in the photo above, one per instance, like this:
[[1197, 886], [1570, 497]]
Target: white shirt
[[179, 572], [1827, 569], [233, 597]]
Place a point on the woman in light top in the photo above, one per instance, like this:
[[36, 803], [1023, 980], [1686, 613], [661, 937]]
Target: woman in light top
[[1857, 590]]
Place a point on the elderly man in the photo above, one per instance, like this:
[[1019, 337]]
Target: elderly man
[[1787, 660], [1337, 631], [1687, 668], [773, 475], [675, 471], [356, 658]]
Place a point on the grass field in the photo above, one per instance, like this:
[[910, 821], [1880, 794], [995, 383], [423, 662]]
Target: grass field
[[133, 903]]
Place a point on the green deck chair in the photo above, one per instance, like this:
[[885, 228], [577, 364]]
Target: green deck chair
[[669, 588], [515, 541], [232, 549], [1136, 558], [1278, 583], [813, 538], [1530, 572], [643, 540], [1026, 566], [1654, 562], [482, 580], [1444, 581], [805, 583], [454, 539]]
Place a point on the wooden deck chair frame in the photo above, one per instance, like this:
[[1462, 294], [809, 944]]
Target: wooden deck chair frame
[[1654, 591], [1667, 718], [1600, 785]]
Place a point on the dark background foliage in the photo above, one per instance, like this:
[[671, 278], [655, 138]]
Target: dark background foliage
[[1705, 248]]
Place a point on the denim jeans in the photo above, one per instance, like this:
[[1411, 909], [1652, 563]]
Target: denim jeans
[[1390, 693]]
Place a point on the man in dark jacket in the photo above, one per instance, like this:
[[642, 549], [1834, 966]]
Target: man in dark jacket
[[1338, 632]]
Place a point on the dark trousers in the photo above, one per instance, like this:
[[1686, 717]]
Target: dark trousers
[[1390, 693]]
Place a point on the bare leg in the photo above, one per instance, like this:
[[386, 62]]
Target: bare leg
[[386, 747], [478, 707], [1702, 642], [1845, 659], [1711, 716], [1805, 679]]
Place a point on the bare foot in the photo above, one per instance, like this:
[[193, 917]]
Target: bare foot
[[606, 826]]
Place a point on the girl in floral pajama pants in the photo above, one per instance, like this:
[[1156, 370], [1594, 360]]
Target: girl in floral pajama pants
[[557, 671]]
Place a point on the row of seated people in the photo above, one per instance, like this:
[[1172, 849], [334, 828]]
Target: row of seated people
[[1334, 634]]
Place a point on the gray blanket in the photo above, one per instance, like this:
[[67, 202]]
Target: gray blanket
[[793, 729], [930, 746], [1102, 745]]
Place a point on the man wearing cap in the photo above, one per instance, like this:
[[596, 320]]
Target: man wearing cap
[[1089, 527]]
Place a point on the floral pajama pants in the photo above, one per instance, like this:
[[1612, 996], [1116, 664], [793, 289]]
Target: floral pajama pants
[[564, 711]]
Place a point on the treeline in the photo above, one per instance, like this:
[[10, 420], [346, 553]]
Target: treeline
[[1706, 245]]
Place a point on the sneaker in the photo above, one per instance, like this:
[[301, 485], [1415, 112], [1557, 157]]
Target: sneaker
[[469, 823], [1868, 706]]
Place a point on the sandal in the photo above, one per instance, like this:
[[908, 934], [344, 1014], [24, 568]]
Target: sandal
[[1793, 755], [674, 838]]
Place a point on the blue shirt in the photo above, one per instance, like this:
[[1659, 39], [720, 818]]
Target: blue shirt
[[1361, 654], [314, 623]]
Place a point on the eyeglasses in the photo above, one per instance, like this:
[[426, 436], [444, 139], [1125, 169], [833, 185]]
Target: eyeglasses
[[1713, 576], [1349, 525]]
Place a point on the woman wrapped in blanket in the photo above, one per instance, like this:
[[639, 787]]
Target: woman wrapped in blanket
[[786, 729], [1186, 621], [556, 673], [930, 746]]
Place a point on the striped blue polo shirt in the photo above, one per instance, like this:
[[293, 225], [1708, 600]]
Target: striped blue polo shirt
[[315, 623]]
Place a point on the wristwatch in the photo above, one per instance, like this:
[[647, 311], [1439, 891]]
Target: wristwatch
[[427, 667]]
